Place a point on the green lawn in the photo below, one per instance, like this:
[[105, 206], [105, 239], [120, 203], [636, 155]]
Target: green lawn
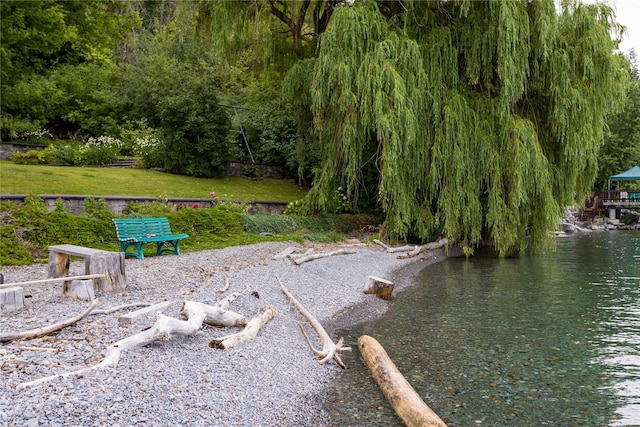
[[94, 181]]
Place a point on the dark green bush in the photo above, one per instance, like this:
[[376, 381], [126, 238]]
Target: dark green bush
[[28, 229]]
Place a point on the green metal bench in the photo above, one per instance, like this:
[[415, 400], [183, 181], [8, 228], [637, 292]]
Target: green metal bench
[[134, 233]]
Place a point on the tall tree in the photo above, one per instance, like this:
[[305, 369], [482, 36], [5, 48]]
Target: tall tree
[[473, 120]]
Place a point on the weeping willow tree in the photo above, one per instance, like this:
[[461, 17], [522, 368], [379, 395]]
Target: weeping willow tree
[[481, 119]]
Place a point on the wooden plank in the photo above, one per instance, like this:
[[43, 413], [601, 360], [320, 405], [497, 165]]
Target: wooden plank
[[74, 250], [128, 318]]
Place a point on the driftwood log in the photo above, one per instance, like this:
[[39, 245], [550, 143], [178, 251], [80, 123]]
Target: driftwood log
[[163, 328], [120, 307], [54, 280], [286, 253], [38, 332], [250, 330], [312, 256], [423, 248], [330, 350], [219, 314], [161, 307], [391, 250], [403, 398]]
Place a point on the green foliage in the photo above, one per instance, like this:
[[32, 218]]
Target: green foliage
[[461, 119], [621, 148], [28, 229], [13, 251], [250, 171], [31, 157], [333, 227], [272, 135]]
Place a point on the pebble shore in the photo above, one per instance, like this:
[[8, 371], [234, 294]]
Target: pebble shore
[[270, 380]]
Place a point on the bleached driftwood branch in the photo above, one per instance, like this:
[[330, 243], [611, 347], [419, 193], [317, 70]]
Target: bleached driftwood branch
[[289, 251], [163, 328], [226, 285], [330, 350], [38, 332], [120, 307], [249, 331], [423, 248], [219, 314], [305, 258], [391, 250]]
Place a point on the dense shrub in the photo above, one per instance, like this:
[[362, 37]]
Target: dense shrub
[[28, 229]]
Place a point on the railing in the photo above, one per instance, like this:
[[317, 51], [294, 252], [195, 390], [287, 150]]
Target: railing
[[622, 197]]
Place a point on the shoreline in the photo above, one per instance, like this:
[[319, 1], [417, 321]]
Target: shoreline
[[272, 379]]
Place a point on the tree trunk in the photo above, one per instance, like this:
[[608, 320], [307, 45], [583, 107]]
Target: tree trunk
[[403, 398]]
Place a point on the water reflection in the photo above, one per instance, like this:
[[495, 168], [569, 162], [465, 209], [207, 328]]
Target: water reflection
[[545, 340]]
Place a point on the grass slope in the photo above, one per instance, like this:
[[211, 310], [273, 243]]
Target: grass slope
[[37, 179]]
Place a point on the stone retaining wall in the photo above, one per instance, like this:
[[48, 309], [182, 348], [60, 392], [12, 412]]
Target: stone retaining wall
[[118, 204], [7, 149]]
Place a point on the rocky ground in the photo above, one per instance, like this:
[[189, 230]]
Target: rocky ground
[[269, 380]]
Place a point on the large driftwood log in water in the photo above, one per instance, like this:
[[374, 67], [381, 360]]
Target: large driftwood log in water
[[403, 398], [330, 350], [249, 331]]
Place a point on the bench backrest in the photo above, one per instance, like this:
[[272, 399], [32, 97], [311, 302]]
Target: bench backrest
[[141, 227]]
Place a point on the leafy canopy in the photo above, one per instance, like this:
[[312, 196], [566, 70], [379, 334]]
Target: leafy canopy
[[472, 120]]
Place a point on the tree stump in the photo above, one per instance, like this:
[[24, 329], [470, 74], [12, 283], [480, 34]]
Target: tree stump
[[382, 288], [79, 289], [11, 299], [111, 263]]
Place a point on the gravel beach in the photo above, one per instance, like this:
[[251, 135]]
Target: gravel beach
[[270, 380]]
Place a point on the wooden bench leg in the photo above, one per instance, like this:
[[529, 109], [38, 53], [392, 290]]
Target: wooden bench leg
[[111, 263], [58, 264]]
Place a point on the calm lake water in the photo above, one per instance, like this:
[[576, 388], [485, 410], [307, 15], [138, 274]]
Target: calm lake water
[[552, 339]]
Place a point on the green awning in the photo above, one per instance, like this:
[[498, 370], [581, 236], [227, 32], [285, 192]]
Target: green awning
[[632, 174]]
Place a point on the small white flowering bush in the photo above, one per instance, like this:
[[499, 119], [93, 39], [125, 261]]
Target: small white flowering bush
[[100, 151], [144, 142]]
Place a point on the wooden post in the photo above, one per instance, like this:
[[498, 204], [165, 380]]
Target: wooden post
[[379, 287], [111, 264], [79, 289], [58, 264], [403, 398], [11, 299]]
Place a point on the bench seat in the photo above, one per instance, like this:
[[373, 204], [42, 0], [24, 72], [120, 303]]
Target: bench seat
[[134, 233]]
